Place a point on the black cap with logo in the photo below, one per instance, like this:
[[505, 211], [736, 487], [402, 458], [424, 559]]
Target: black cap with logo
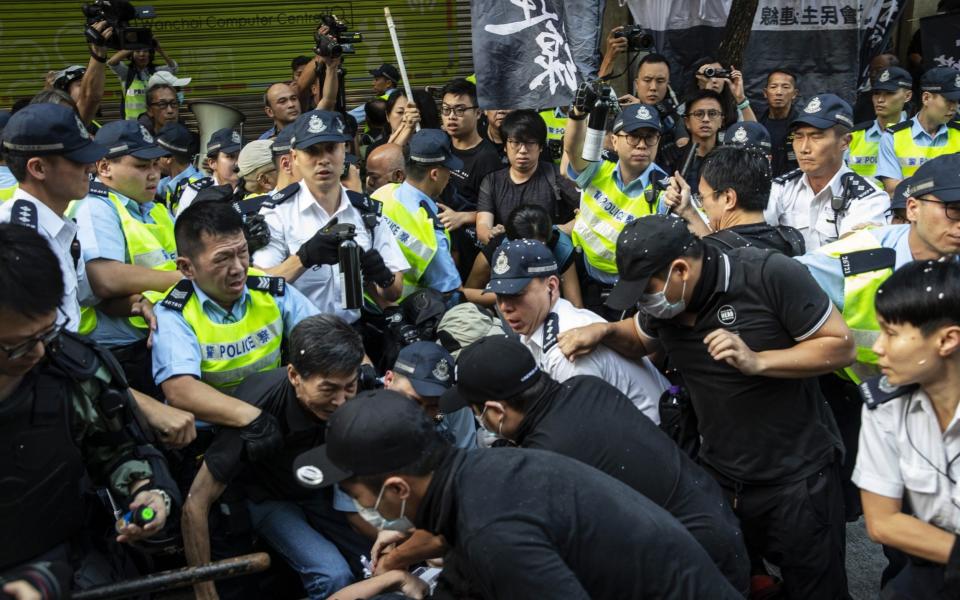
[[46, 129], [516, 263], [939, 176], [892, 79], [823, 111], [318, 126], [224, 140], [428, 367], [129, 137], [942, 80], [496, 367]]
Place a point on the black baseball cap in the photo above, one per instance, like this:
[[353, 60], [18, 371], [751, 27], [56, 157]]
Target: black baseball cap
[[318, 126], [224, 140], [939, 176], [516, 263], [900, 194], [281, 143], [942, 80], [823, 111], [428, 367], [50, 129], [747, 134], [637, 116], [375, 432], [644, 248], [175, 137], [495, 367], [433, 147], [129, 137], [892, 79], [4, 117], [386, 70]]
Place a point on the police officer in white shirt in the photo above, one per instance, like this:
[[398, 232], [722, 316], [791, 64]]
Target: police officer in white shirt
[[910, 437], [824, 198], [524, 278], [51, 154], [300, 250]]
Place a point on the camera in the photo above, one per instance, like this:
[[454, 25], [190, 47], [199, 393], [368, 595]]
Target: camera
[[714, 73], [638, 37], [118, 14], [337, 41]]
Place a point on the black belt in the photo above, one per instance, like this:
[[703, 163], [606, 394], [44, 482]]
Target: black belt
[[130, 352]]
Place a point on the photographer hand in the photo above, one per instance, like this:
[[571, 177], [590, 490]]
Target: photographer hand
[[321, 249], [615, 45], [736, 84], [21, 590], [97, 36], [585, 98], [375, 270]]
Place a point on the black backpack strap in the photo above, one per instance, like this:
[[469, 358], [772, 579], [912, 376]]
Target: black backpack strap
[[177, 298], [729, 238], [275, 286], [370, 209], [865, 261], [793, 238], [24, 213]]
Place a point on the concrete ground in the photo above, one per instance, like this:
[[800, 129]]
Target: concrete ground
[[865, 563]]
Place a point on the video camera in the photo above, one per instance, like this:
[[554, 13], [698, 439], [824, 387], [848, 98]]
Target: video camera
[[118, 14], [638, 37], [714, 73], [337, 41], [598, 100]]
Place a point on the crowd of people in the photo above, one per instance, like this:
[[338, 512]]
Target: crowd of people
[[420, 348]]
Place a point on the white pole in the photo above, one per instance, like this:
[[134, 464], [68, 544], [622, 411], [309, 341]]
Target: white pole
[[396, 49]]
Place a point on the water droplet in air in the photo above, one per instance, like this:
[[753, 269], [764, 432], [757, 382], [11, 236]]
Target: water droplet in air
[[929, 288]]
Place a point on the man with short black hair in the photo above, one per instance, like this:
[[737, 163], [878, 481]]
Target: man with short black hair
[[538, 533], [311, 529], [177, 167], [223, 149], [891, 88], [652, 87], [780, 91], [163, 107], [280, 103], [703, 118]]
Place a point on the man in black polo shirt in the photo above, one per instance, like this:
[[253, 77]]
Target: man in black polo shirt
[[749, 332], [734, 187], [313, 529], [588, 419], [520, 524]]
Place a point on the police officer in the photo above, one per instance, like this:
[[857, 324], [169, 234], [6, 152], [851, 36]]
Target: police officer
[[310, 528], [733, 191], [222, 322], [824, 199], [546, 531], [410, 210], [909, 436], [305, 255], [749, 330], [891, 89], [128, 244], [525, 280], [177, 167], [749, 134], [589, 419], [931, 133], [223, 148], [556, 121], [287, 173], [50, 153], [613, 193], [64, 407], [8, 183], [385, 80]]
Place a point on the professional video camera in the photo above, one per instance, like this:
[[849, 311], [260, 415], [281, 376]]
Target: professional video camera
[[638, 37], [337, 41], [714, 73], [598, 100], [118, 14]]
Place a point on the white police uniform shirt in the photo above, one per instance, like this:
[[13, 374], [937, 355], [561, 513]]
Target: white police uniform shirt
[[190, 191], [903, 453], [640, 381], [793, 202], [60, 233], [294, 221]]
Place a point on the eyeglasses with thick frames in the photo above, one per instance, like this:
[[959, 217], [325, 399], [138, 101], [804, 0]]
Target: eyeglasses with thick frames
[[517, 144], [634, 139], [709, 114], [165, 104], [457, 110], [46, 338], [951, 209]]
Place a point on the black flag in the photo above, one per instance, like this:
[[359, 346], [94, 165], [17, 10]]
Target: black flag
[[941, 41], [521, 54]]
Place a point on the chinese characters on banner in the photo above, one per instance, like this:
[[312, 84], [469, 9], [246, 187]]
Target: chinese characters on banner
[[941, 41]]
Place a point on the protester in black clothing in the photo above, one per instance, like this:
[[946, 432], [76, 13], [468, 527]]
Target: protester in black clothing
[[588, 419], [703, 118], [733, 191], [781, 92], [749, 332], [728, 85], [519, 524]]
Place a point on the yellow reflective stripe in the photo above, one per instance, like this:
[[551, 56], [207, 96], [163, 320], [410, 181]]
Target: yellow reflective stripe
[[911, 155], [8, 192], [224, 380], [88, 320], [863, 154], [135, 99], [414, 233]]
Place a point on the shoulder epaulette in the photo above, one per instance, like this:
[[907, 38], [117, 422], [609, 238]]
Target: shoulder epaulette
[[953, 125], [202, 183], [788, 176], [370, 209], [859, 186], [98, 189], [609, 155], [280, 196], [275, 286], [551, 329], [177, 297], [863, 126], [25, 213], [865, 261], [899, 126], [877, 390]]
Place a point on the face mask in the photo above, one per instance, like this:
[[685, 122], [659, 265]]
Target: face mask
[[657, 306], [381, 523], [485, 437]]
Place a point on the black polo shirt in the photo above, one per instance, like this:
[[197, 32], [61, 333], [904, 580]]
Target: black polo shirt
[[781, 142], [270, 478], [781, 238], [755, 429], [588, 419]]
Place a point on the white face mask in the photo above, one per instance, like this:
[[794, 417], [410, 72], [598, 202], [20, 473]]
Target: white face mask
[[657, 306], [485, 437], [381, 523]]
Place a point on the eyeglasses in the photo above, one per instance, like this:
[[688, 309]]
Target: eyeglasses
[[710, 114], [457, 110], [697, 198], [517, 144], [46, 338], [951, 209], [165, 104], [633, 139]]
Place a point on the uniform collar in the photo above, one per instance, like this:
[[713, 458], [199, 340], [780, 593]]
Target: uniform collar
[[917, 130], [208, 303], [132, 206], [921, 403], [306, 202], [536, 338], [640, 183], [833, 185], [47, 220]]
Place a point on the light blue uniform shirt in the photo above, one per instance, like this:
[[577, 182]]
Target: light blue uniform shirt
[[633, 189], [462, 426], [887, 163], [266, 135], [6, 177], [829, 274], [101, 237], [170, 183], [441, 273], [175, 347]]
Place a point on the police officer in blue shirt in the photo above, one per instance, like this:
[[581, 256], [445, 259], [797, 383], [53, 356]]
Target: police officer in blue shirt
[[931, 133], [890, 90], [177, 167], [7, 181]]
